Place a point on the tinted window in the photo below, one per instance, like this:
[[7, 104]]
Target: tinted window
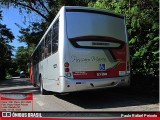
[[41, 51], [48, 43], [35, 57], [55, 33]]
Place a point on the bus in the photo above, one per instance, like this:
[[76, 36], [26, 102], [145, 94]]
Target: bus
[[82, 49]]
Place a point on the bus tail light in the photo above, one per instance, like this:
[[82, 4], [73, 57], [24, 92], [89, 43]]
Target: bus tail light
[[66, 64], [66, 69]]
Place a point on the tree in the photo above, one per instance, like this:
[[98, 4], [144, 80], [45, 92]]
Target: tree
[[13, 67], [23, 58], [47, 9], [32, 34], [6, 36], [38, 6], [143, 31]]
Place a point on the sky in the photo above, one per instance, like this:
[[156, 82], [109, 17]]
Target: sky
[[10, 16]]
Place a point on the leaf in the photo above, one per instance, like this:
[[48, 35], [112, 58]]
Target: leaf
[[150, 35], [156, 52], [132, 41], [156, 38]]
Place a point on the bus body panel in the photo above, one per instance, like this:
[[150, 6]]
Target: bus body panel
[[52, 71]]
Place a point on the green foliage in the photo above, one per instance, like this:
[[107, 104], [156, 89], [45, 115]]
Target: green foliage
[[28, 6], [143, 31], [13, 66], [23, 57], [6, 37], [45, 9], [32, 34]]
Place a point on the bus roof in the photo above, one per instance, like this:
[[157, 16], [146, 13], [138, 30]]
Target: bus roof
[[92, 10]]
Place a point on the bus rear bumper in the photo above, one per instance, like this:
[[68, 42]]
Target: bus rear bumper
[[72, 85]]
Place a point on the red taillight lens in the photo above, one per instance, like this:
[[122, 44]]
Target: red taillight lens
[[66, 64], [66, 69]]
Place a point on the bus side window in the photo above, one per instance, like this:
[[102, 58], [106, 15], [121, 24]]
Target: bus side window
[[49, 43], [35, 57], [55, 32], [42, 50], [47, 47]]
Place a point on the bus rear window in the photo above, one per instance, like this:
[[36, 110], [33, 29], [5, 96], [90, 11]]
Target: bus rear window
[[81, 24]]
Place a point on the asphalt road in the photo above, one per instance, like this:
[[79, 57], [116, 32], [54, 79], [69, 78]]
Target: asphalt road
[[118, 99]]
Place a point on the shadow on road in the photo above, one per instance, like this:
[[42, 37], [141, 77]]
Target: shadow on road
[[109, 98], [143, 91], [18, 85]]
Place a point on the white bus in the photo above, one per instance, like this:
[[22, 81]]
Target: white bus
[[83, 49]]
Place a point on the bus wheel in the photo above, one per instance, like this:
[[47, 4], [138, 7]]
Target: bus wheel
[[43, 92], [33, 82], [34, 85]]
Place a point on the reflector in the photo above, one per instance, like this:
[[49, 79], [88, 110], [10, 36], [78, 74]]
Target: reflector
[[66, 69], [66, 64]]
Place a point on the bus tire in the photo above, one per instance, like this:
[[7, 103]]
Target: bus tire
[[34, 85], [33, 82], [42, 91]]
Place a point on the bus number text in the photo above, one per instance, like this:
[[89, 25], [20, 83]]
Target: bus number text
[[101, 74]]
